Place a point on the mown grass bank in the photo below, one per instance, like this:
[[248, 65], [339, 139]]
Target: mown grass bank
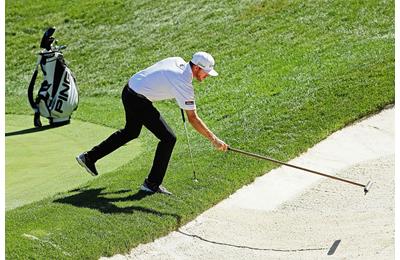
[[291, 73]]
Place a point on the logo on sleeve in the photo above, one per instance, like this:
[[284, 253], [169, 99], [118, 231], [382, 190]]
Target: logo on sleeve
[[189, 103]]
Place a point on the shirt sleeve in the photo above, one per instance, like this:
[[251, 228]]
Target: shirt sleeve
[[184, 96]]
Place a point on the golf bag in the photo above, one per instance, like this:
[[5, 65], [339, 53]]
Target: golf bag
[[57, 97]]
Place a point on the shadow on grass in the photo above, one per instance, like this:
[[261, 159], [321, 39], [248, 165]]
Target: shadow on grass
[[94, 199], [33, 130]]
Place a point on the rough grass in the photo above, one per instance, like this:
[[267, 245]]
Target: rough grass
[[291, 73]]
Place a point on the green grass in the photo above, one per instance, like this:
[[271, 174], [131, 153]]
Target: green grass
[[291, 73], [47, 169]]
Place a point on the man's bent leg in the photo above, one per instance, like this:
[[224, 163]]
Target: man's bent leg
[[162, 131], [131, 130], [113, 142]]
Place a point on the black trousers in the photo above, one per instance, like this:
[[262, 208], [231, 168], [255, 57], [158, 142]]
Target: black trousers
[[139, 111]]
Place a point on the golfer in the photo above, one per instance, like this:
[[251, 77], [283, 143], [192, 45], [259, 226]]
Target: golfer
[[167, 79]]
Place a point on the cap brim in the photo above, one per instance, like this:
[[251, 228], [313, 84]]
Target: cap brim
[[212, 73]]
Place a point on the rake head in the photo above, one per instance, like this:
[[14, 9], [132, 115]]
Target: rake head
[[367, 187]]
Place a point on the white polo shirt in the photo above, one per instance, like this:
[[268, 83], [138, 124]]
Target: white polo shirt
[[166, 79]]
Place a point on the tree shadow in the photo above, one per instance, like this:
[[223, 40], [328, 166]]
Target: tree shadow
[[33, 130], [95, 199]]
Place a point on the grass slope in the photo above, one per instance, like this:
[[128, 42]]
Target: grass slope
[[291, 73]]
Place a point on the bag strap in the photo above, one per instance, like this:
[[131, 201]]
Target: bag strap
[[32, 85]]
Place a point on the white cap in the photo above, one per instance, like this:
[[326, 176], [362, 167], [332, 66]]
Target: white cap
[[204, 61]]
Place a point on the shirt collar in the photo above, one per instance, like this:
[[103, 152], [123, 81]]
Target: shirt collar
[[187, 72]]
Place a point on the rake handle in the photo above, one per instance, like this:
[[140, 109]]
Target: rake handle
[[294, 166]]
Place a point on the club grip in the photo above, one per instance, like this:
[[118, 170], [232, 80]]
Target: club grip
[[183, 116]]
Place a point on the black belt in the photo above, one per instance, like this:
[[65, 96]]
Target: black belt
[[131, 91]]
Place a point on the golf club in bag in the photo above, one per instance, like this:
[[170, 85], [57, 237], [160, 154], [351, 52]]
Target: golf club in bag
[[366, 187], [57, 97]]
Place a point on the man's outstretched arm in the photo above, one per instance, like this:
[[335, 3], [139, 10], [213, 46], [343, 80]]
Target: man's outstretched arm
[[202, 128]]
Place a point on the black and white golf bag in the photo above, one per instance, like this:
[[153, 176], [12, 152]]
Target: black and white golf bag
[[57, 97]]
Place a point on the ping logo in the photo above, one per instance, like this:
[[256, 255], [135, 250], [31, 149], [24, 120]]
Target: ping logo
[[63, 95], [189, 103]]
